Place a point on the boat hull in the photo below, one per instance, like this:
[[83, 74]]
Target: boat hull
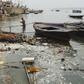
[[79, 33], [75, 16], [51, 34], [77, 30]]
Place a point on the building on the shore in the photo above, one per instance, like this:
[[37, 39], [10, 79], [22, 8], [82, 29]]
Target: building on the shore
[[9, 8], [3, 12], [14, 9]]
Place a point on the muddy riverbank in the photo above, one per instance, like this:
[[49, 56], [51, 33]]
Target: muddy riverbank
[[51, 58]]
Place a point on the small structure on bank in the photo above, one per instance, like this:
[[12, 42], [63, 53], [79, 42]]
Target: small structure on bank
[[8, 8]]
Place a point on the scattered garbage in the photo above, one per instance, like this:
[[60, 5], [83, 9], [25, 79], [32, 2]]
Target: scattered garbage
[[62, 59], [53, 57], [45, 44]]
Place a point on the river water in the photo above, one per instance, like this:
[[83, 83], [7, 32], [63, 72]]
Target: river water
[[48, 54]]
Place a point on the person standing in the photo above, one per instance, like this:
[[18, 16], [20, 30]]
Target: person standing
[[23, 25]]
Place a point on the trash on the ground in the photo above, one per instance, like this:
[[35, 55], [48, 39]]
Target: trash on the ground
[[60, 50], [62, 59], [28, 60], [63, 68], [45, 44]]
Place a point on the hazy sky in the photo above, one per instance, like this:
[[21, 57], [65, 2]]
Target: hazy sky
[[52, 3]]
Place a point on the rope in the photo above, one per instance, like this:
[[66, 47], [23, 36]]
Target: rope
[[15, 25]]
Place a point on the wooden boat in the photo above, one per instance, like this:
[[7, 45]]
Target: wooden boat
[[7, 37], [79, 32], [52, 30], [76, 11], [76, 16], [36, 11], [57, 10], [10, 37], [60, 24]]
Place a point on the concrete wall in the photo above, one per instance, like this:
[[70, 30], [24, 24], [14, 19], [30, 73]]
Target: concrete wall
[[15, 10]]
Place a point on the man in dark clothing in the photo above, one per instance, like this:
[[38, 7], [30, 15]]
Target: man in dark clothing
[[23, 25]]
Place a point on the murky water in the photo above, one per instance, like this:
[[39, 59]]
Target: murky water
[[48, 55]]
